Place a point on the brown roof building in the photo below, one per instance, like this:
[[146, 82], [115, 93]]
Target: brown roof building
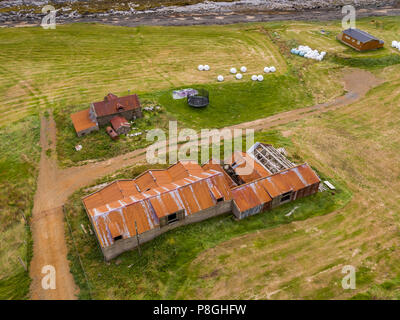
[[102, 112], [120, 125], [159, 200], [360, 40], [111, 106]]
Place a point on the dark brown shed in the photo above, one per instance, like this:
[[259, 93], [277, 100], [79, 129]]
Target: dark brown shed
[[360, 40]]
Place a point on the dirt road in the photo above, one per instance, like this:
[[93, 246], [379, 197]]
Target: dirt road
[[55, 185]]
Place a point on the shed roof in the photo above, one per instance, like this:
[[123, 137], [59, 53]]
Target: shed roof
[[359, 35], [82, 121], [117, 215], [240, 160], [215, 165], [250, 195], [114, 191], [111, 103], [118, 122]]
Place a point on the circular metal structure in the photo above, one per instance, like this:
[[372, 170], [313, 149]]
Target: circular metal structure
[[199, 100]]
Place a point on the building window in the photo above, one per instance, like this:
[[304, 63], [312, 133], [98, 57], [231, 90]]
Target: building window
[[286, 197], [172, 218], [117, 238]]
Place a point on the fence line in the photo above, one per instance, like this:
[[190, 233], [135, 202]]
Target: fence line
[[77, 253]]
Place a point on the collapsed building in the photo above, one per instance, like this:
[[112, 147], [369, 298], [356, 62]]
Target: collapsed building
[[128, 212]]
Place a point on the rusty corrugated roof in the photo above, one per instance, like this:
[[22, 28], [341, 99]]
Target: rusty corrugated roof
[[240, 160], [250, 195], [215, 165], [111, 103], [82, 121], [191, 194], [118, 122]]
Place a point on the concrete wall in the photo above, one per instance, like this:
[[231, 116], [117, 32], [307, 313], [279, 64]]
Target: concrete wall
[[123, 245]]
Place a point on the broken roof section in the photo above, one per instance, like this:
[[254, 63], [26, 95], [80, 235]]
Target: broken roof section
[[270, 158], [215, 165], [113, 104], [246, 167], [118, 122], [257, 194]]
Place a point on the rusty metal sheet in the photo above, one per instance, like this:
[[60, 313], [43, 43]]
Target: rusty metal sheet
[[214, 165], [110, 106], [82, 121]]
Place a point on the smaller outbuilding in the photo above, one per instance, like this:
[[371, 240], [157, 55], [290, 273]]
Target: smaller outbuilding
[[113, 135], [120, 125], [360, 40]]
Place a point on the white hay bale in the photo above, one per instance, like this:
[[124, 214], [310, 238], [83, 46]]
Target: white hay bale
[[272, 69], [243, 69], [206, 67], [260, 77], [254, 77], [267, 70], [239, 76], [200, 67], [220, 78], [233, 70]]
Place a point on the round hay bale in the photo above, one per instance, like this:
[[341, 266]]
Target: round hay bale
[[200, 67], [267, 70], [206, 67], [260, 77], [254, 77], [243, 69], [220, 78], [233, 70], [239, 76]]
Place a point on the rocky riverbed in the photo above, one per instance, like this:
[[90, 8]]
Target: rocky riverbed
[[13, 12]]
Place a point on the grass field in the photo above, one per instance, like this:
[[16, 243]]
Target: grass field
[[19, 155], [358, 144], [78, 64], [67, 68]]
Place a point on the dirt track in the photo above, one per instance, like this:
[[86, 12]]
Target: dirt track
[[55, 185]]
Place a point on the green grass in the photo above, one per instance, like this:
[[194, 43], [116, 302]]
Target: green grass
[[164, 271], [233, 103], [80, 63], [19, 155], [367, 63], [98, 145]]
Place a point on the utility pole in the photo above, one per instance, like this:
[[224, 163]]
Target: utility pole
[[137, 239]]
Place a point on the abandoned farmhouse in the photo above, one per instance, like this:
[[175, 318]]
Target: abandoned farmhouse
[[113, 109], [360, 40], [127, 211]]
